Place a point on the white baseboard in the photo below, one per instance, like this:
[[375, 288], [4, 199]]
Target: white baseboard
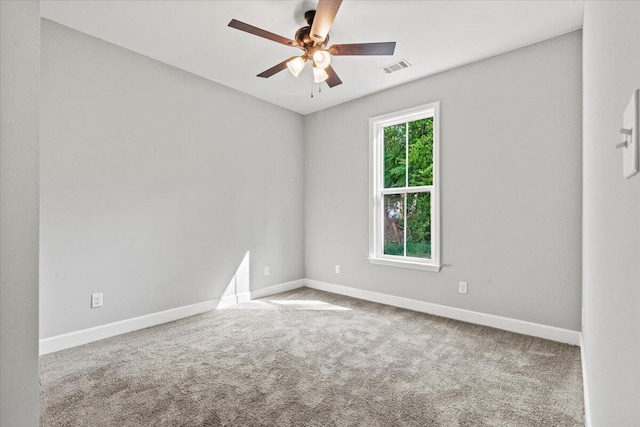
[[223, 302], [244, 297], [505, 323], [585, 386], [84, 336], [277, 289]]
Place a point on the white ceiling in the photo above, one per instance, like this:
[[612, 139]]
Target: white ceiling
[[431, 35]]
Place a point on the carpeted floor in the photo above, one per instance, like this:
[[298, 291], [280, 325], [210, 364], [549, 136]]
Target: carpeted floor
[[310, 358]]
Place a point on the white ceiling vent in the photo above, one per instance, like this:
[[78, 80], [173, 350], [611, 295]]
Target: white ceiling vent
[[396, 66]]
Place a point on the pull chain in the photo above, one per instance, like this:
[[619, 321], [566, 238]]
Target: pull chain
[[319, 88]]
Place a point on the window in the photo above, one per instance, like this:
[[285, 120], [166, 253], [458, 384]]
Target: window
[[405, 199]]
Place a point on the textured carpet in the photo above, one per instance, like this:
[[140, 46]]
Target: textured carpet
[[315, 359]]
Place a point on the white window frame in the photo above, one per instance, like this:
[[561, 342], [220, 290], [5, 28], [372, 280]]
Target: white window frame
[[377, 190]]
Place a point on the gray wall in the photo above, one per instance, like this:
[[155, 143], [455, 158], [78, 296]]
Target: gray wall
[[155, 183], [511, 187], [611, 293], [19, 86]]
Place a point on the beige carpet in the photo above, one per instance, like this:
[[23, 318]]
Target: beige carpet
[[310, 358]]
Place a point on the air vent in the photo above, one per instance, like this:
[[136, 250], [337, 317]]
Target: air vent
[[396, 66]]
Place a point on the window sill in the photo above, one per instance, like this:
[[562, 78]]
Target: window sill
[[405, 264]]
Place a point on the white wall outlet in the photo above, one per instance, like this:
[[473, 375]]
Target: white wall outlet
[[96, 300], [337, 268], [267, 270], [462, 287]]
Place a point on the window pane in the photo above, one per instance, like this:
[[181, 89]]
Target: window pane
[[421, 152], [394, 224], [419, 225], [395, 156]]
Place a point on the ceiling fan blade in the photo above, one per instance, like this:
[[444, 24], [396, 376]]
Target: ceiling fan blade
[[386, 48], [333, 79], [275, 69], [238, 25], [325, 13]]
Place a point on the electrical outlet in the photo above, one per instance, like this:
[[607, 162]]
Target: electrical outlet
[[462, 287], [96, 300], [267, 270], [337, 268]]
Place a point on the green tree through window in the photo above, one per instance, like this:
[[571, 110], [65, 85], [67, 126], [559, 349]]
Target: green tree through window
[[408, 163]]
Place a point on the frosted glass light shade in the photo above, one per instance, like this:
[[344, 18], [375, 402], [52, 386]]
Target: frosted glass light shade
[[295, 65], [321, 59], [319, 75]]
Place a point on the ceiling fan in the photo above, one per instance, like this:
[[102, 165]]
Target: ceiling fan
[[312, 40]]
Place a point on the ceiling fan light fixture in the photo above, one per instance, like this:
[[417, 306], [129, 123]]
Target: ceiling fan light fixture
[[319, 75], [321, 59], [295, 65]]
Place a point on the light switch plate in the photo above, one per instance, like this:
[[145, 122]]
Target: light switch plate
[[630, 121]]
